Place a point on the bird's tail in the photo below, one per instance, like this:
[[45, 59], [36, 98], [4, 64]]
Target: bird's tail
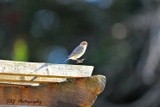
[[65, 60]]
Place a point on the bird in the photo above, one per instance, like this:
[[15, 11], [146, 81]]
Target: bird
[[78, 52], [75, 55]]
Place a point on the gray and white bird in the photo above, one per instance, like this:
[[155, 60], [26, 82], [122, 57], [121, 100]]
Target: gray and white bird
[[78, 52]]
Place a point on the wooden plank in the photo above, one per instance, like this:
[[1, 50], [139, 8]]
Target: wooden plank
[[17, 70], [24, 81], [19, 106], [80, 92], [14, 79], [45, 68], [41, 75]]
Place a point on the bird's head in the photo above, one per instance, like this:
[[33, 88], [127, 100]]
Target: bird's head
[[84, 43]]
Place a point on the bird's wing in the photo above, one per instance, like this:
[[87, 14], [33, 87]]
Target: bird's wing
[[77, 50]]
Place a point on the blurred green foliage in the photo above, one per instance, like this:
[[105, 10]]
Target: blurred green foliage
[[20, 51]]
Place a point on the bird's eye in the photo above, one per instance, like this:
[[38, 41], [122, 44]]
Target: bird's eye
[[84, 43]]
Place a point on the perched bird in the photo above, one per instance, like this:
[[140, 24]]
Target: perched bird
[[78, 52]]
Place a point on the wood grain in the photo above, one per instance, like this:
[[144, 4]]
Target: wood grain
[[80, 92]]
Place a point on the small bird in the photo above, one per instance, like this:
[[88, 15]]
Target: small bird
[[78, 52]]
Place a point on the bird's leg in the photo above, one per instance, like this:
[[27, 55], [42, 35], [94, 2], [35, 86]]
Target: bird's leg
[[79, 60]]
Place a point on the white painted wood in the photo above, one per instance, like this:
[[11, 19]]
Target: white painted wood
[[18, 70]]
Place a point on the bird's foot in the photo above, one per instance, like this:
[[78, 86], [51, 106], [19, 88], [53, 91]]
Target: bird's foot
[[79, 61]]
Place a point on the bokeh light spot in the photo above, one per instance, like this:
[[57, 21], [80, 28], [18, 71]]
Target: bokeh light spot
[[119, 31], [44, 20], [20, 51], [57, 55]]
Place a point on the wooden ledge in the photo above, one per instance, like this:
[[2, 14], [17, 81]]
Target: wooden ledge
[[59, 85], [80, 92], [17, 72]]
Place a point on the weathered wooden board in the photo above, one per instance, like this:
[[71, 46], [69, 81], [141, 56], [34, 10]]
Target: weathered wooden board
[[80, 92], [17, 71]]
